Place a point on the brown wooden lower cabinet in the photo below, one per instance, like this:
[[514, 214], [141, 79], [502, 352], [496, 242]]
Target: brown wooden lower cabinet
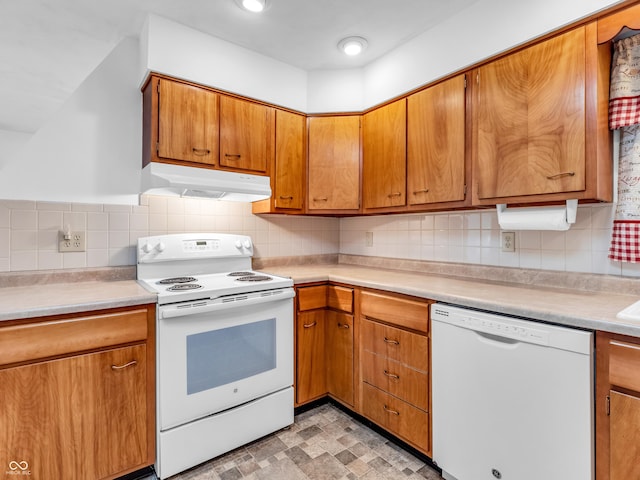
[[339, 353], [617, 407], [83, 416]]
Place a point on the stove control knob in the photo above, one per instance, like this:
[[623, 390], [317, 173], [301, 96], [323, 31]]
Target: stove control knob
[[146, 248], [238, 244], [247, 244], [160, 247]]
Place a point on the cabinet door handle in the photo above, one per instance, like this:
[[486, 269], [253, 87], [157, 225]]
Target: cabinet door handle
[[388, 410], [120, 367], [286, 197], [201, 151], [394, 194], [320, 199], [343, 325], [391, 375], [232, 156], [391, 342], [309, 325], [424, 190], [561, 175]]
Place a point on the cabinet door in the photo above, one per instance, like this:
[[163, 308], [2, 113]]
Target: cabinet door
[[289, 175], [529, 117], [385, 156], [246, 135], [187, 123], [334, 163], [310, 361], [339, 345], [436, 143], [78, 417], [625, 436]]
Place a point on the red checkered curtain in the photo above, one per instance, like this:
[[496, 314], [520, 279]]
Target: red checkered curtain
[[624, 114]]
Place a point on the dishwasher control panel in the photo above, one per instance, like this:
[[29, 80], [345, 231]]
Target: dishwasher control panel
[[522, 330]]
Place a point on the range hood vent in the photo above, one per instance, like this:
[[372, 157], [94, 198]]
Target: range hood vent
[[178, 180]]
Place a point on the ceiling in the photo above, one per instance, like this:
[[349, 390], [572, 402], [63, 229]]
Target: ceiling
[[48, 47]]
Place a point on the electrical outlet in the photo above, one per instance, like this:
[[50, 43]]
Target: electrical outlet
[[508, 241], [76, 242], [368, 239]]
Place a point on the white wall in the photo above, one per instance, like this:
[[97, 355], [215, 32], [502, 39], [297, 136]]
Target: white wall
[[11, 143], [182, 52], [90, 150]]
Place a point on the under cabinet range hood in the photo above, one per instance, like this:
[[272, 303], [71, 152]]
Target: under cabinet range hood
[[179, 180]]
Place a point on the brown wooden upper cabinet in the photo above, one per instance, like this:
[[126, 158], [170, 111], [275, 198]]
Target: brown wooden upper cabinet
[[187, 122], [385, 157], [436, 145], [288, 169], [537, 125], [334, 164], [246, 135]]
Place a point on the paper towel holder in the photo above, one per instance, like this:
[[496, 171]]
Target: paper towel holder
[[569, 213]]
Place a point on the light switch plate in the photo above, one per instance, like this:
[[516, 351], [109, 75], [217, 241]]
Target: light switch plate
[[77, 242]]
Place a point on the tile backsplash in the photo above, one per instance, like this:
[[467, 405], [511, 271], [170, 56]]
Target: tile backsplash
[[29, 230], [29, 233]]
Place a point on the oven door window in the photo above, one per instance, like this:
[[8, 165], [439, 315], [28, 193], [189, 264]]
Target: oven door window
[[220, 357]]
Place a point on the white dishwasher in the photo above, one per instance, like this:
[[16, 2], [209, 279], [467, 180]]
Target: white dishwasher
[[511, 399]]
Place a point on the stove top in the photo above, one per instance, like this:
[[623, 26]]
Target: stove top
[[195, 266]]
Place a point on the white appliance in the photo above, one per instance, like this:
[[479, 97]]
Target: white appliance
[[224, 346], [512, 399]]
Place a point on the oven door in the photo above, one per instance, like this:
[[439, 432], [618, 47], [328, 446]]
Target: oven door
[[213, 356]]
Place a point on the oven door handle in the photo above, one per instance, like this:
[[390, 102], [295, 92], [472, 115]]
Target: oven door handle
[[217, 305]]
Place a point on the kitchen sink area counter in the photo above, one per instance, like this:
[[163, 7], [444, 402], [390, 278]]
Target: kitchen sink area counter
[[575, 307]]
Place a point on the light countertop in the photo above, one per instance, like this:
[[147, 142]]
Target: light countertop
[[576, 308]]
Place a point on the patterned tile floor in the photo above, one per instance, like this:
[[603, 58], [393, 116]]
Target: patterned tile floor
[[324, 443]]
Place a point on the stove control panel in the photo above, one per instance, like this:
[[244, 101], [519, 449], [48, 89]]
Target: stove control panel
[[188, 246], [200, 245]]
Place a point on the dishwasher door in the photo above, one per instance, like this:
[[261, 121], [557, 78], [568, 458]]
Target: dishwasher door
[[512, 399]]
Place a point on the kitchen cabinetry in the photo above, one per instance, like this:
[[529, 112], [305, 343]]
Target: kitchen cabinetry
[[334, 164], [288, 177], [78, 394], [394, 365], [436, 166], [384, 173], [617, 407], [325, 344], [185, 127], [539, 130], [184, 123], [246, 135]]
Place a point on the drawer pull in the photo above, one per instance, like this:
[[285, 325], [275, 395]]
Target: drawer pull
[[424, 190], [201, 151], [560, 175], [391, 375], [232, 156], [391, 342], [343, 325], [286, 197], [120, 367], [388, 410], [394, 194], [320, 199], [309, 325]]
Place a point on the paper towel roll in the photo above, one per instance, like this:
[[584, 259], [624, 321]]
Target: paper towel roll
[[537, 218]]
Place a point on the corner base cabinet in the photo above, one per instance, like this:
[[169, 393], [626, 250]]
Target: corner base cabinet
[[78, 395]]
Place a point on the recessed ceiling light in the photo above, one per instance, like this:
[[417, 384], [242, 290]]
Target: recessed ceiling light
[[352, 45], [252, 5]]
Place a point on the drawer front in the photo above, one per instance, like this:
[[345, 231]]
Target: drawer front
[[23, 343], [624, 365], [340, 298], [405, 347], [400, 418], [405, 313], [311, 298], [397, 379]]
